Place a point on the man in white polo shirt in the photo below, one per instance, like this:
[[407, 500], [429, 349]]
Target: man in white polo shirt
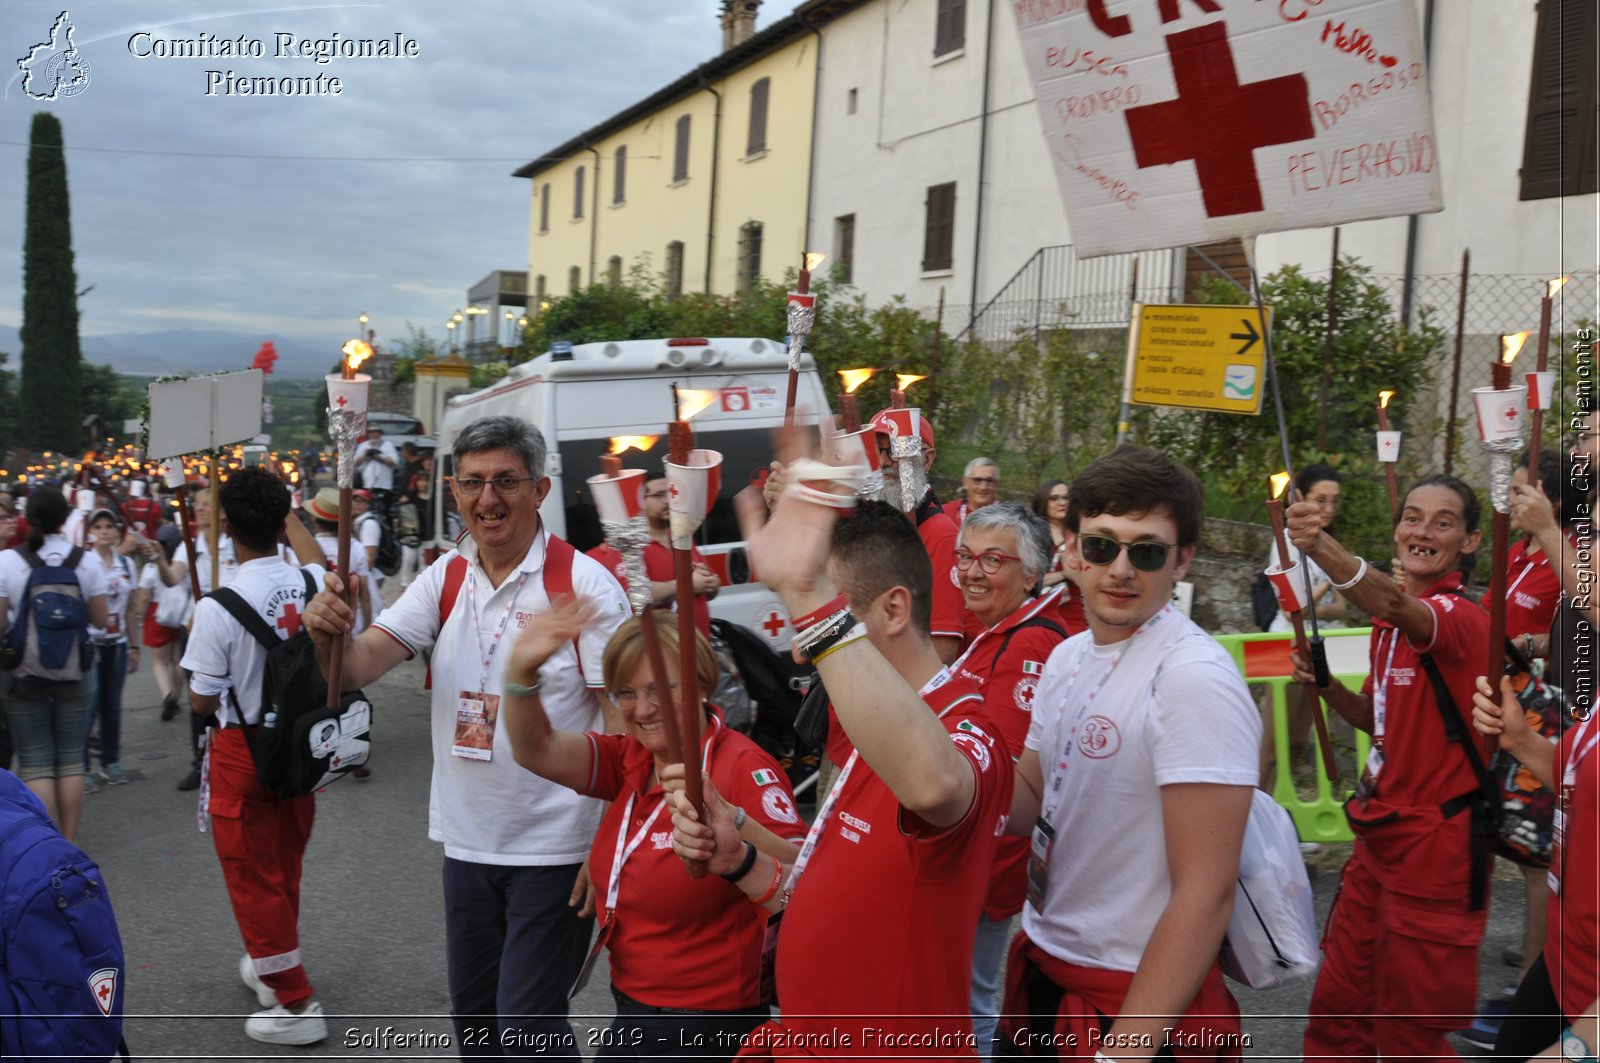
[[513, 842]]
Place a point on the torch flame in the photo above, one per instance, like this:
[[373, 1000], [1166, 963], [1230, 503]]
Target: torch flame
[[1383, 399], [691, 401], [1280, 481], [356, 352], [814, 259], [854, 378], [639, 443], [905, 380], [1551, 287], [1511, 345]]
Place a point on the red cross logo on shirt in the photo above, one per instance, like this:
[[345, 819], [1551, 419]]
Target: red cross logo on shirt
[[1218, 122], [774, 623], [289, 622]]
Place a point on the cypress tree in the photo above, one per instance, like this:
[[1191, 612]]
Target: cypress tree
[[52, 412]]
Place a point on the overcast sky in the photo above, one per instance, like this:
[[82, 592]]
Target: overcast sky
[[294, 215]]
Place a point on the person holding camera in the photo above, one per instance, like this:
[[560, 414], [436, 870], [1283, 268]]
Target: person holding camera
[[376, 463]]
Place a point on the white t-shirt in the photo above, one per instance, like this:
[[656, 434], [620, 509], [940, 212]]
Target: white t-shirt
[[495, 811], [120, 583], [224, 656], [1282, 621], [329, 544], [160, 593], [370, 533], [375, 475], [227, 563], [14, 571], [1172, 709]]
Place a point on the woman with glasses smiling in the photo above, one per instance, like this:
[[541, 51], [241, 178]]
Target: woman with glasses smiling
[[685, 953]]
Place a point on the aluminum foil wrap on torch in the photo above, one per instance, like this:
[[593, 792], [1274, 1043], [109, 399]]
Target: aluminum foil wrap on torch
[[346, 427]]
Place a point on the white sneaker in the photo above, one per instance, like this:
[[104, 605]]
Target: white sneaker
[[247, 975], [280, 1026], [1307, 848]]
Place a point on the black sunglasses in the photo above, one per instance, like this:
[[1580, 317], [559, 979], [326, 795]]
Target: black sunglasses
[[1145, 555]]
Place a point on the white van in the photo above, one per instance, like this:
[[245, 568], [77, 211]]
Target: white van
[[586, 396]]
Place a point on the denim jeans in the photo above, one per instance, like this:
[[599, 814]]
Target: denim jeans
[[988, 960], [111, 674], [49, 722]]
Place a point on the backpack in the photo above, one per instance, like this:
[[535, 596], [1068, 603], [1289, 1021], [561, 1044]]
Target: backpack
[[1272, 937], [1263, 602], [410, 525], [388, 561], [49, 642], [301, 745], [61, 964]]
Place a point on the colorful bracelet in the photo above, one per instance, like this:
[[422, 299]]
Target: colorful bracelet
[[855, 634], [777, 878], [820, 635]]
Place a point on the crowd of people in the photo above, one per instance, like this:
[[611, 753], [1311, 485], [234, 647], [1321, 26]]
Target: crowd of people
[[1042, 769]]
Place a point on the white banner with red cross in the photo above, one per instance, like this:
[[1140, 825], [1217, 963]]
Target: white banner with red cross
[[1175, 122]]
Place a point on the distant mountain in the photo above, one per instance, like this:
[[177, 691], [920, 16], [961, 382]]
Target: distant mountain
[[192, 351]]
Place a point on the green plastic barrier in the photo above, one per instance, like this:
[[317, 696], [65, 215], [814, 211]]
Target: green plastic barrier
[[1263, 661]]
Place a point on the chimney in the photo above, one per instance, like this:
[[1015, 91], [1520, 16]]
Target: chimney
[[738, 21]]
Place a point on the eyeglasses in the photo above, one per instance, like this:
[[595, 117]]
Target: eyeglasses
[[627, 698], [1146, 555], [990, 560], [472, 486]]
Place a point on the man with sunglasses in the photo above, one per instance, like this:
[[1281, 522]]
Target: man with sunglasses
[[1135, 786], [513, 842]]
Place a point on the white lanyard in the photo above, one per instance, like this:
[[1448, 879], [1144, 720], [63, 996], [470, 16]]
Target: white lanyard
[[625, 848], [815, 833], [477, 634], [1532, 564], [1380, 687], [623, 851], [1575, 754]]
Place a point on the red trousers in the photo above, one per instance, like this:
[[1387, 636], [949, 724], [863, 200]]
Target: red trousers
[[1398, 972], [261, 840]]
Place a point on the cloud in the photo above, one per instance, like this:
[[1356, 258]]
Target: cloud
[[298, 213]]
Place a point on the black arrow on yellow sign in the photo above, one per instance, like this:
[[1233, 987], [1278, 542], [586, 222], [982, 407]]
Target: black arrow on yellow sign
[[1249, 335]]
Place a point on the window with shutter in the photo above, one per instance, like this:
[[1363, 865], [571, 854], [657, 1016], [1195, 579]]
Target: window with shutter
[[1560, 146], [757, 141], [577, 193], [619, 176], [950, 27], [544, 207], [939, 228], [574, 280], [749, 256], [674, 269], [844, 246], [680, 152]]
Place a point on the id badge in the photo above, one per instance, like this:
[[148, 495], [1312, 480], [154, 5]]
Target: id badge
[[113, 623], [476, 716], [1044, 839], [769, 962], [600, 941]]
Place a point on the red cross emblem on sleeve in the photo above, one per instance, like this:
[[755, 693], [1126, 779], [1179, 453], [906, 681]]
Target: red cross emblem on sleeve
[[1217, 122]]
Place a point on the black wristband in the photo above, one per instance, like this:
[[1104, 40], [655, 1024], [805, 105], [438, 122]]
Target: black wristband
[[745, 865]]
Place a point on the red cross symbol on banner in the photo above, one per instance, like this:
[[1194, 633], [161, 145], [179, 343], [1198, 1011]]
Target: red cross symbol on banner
[[289, 622], [1218, 122], [774, 623]]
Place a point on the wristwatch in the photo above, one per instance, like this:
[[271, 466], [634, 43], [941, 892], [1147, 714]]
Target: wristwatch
[[1573, 1048]]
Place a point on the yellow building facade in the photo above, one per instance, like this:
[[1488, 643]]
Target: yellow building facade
[[703, 185]]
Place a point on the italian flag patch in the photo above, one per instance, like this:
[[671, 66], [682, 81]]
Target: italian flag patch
[[968, 725], [764, 777], [1032, 667]]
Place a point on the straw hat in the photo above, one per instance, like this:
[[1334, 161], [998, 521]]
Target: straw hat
[[324, 505]]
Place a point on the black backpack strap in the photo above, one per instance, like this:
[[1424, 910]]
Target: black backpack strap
[[74, 556], [1032, 621], [29, 556], [311, 585], [1485, 802], [248, 618]]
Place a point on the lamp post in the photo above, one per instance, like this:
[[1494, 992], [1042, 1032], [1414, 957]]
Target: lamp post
[[473, 313], [362, 318], [510, 317], [450, 331]]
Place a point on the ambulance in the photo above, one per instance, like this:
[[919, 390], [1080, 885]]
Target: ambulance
[[592, 399]]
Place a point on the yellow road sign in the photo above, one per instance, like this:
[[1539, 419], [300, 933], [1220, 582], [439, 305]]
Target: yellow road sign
[[1200, 358]]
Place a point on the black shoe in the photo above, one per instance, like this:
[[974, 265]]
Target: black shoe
[[169, 707], [191, 781]]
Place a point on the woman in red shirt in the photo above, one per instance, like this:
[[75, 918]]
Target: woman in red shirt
[[685, 953]]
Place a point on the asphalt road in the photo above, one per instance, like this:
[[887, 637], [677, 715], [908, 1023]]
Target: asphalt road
[[371, 923]]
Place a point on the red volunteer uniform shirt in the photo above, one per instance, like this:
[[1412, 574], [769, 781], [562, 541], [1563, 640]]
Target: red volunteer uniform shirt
[[939, 534], [1572, 944], [1533, 589], [1421, 765], [878, 934], [680, 942], [1005, 662], [658, 565]]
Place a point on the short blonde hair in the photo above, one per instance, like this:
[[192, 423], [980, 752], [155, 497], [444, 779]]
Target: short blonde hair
[[626, 650]]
